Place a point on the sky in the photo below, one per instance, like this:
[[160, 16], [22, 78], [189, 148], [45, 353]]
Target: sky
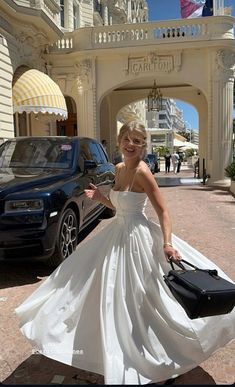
[[170, 10]]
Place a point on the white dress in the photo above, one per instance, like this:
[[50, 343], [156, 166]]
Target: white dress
[[107, 309]]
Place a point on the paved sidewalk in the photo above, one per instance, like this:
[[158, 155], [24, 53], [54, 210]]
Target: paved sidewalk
[[201, 215]]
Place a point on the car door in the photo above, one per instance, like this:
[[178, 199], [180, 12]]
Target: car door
[[88, 176], [106, 172], [97, 170], [100, 174]]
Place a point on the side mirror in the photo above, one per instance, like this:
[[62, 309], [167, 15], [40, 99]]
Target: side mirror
[[89, 164]]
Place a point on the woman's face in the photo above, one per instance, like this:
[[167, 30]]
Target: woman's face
[[132, 144]]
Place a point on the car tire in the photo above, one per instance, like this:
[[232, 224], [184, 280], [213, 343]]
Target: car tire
[[66, 239]]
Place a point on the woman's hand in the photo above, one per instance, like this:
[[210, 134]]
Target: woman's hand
[[93, 193], [172, 254]]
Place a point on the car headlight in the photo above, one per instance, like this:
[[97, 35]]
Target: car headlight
[[24, 205]]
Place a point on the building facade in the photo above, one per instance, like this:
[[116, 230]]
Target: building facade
[[104, 56], [162, 125]]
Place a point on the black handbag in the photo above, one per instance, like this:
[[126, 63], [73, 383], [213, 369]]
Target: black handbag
[[201, 292]]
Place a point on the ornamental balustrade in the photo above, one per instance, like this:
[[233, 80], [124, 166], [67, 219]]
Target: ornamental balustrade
[[122, 35]]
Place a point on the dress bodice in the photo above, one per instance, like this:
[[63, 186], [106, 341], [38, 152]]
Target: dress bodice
[[128, 203]]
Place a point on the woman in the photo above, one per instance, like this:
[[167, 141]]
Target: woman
[[106, 309]]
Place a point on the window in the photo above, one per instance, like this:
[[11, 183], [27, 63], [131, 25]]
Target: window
[[96, 156], [62, 13], [103, 155], [62, 130], [98, 7], [76, 15], [37, 153], [85, 151], [162, 116]]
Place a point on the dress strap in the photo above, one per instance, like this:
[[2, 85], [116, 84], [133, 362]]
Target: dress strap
[[130, 188]]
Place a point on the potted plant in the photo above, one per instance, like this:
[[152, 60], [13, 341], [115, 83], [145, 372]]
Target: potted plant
[[230, 172]]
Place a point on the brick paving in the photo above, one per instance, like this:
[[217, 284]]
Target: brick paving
[[201, 215]]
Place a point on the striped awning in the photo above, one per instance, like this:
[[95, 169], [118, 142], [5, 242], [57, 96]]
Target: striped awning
[[178, 143], [34, 91]]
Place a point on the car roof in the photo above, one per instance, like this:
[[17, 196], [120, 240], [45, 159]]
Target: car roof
[[73, 138]]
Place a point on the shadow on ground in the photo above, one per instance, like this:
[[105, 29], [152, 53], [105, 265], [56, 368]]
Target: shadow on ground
[[38, 369]]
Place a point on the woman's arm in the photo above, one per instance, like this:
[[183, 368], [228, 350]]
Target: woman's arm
[[95, 194], [146, 180]]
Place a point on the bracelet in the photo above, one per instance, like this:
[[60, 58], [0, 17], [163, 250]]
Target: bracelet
[[167, 244]]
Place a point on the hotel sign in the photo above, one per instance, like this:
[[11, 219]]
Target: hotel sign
[[154, 63]]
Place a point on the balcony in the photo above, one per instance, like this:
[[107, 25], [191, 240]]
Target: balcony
[[43, 13], [151, 33]]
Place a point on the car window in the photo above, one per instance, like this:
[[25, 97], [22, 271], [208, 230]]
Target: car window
[[37, 153], [85, 151], [103, 155], [96, 156]]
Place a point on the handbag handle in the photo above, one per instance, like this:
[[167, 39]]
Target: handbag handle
[[212, 272], [181, 265]]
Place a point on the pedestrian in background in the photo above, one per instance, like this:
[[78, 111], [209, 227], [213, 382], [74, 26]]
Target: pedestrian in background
[[116, 156], [167, 158], [179, 162], [104, 143], [175, 160]]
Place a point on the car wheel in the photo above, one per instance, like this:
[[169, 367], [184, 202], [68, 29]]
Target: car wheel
[[67, 238]]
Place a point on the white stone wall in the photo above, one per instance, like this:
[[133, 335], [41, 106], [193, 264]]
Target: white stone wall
[[6, 110], [86, 13]]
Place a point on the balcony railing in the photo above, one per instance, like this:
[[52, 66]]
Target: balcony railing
[[169, 31]]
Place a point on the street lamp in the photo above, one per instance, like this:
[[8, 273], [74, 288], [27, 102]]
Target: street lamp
[[155, 99]]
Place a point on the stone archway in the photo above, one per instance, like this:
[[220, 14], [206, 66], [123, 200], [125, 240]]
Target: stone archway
[[113, 102]]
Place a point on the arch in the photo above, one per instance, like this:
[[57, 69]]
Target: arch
[[114, 99]]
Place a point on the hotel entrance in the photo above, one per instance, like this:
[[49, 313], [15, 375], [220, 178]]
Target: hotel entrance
[[69, 126]]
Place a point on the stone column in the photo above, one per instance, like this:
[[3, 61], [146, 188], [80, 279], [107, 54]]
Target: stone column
[[221, 117], [85, 85], [105, 13]]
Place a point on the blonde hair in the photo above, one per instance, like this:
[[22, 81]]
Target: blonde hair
[[132, 126]]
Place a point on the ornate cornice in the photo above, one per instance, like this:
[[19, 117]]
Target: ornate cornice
[[82, 72], [30, 45], [30, 35], [225, 64]]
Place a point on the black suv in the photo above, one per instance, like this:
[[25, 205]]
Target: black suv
[[42, 200]]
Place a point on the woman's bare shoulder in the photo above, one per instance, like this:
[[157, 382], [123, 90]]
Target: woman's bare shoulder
[[119, 165], [143, 169], [145, 176]]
